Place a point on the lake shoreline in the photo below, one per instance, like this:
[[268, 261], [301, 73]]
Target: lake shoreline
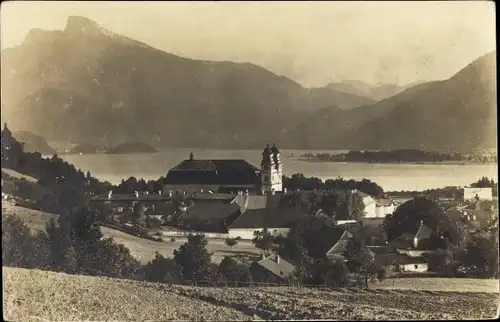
[[462, 163]]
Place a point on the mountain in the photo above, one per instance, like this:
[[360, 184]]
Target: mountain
[[373, 92], [91, 86], [455, 114], [33, 142]]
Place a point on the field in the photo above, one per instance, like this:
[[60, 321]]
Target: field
[[440, 284], [33, 295], [18, 175], [142, 249], [34, 219]]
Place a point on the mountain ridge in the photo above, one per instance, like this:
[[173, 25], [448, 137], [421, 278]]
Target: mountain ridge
[[93, 86]]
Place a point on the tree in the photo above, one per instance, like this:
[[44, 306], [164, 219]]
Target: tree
[[481, 256], [263, 240], [193, 258], [407, 218], [330, 272], [360, 260], [19, 247], [231, 242], [62, 253], [234, 272], [161, 269]]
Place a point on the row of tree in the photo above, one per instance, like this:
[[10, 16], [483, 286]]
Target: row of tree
[[399, 156], [448, 192]]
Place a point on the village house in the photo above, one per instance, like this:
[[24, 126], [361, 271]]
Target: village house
[[406, 254], [272, 269], [263, 211], [375, 207]]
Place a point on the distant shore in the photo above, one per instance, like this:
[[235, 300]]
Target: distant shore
[[402, 162]]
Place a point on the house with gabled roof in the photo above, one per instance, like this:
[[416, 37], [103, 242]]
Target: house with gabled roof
[[272, 269], [414, 245], [259, 212], [375, 207], [212, 215], [338, 249]]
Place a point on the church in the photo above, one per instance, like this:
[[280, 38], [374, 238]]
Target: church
[[222, 176]]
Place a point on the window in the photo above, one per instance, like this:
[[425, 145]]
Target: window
[[266, 177]]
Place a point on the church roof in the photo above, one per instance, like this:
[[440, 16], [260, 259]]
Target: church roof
[[213, 172], [275, 150]]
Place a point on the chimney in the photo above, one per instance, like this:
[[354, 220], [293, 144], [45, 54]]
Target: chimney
[[277, 258]]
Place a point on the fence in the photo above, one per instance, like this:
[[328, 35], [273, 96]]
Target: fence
[[184, 233]]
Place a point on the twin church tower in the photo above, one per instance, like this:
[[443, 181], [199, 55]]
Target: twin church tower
[[271, 170]]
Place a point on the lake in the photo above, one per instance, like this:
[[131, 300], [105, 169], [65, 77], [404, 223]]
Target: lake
[[391, 177]]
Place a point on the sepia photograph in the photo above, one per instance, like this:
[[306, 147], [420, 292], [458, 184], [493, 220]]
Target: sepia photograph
[[249, 160]]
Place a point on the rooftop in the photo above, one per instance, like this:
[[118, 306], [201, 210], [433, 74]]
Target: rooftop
[[265, 211], [280, 268], [214, 172]]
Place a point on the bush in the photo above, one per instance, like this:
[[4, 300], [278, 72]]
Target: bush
[[193, 258], [231, 242], [233, 272], [20, 248], [110, 259], [161, 270]]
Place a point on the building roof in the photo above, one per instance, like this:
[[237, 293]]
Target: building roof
[[283, 269], [404, 240], [267, 211], [214, 172], [267, 218], [340, 245], [384, 202], [388, 259], [367, 199], [423, 232], [210, 210]]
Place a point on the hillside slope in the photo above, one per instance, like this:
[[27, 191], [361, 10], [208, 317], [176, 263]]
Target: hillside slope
[[92, 86], [33, 142], [31, 295], [458, 113], [142, 249], [374, 92]]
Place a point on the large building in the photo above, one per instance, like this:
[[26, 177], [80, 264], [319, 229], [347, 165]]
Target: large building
[[226, 176]]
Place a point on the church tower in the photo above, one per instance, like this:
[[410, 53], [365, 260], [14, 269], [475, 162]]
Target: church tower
[[271, 170]]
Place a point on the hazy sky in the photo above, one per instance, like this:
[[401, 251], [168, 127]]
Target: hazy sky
[[313, 43]]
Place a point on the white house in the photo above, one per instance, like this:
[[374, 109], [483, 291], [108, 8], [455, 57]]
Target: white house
[[376, 207], [481, 193], [413, 264]]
